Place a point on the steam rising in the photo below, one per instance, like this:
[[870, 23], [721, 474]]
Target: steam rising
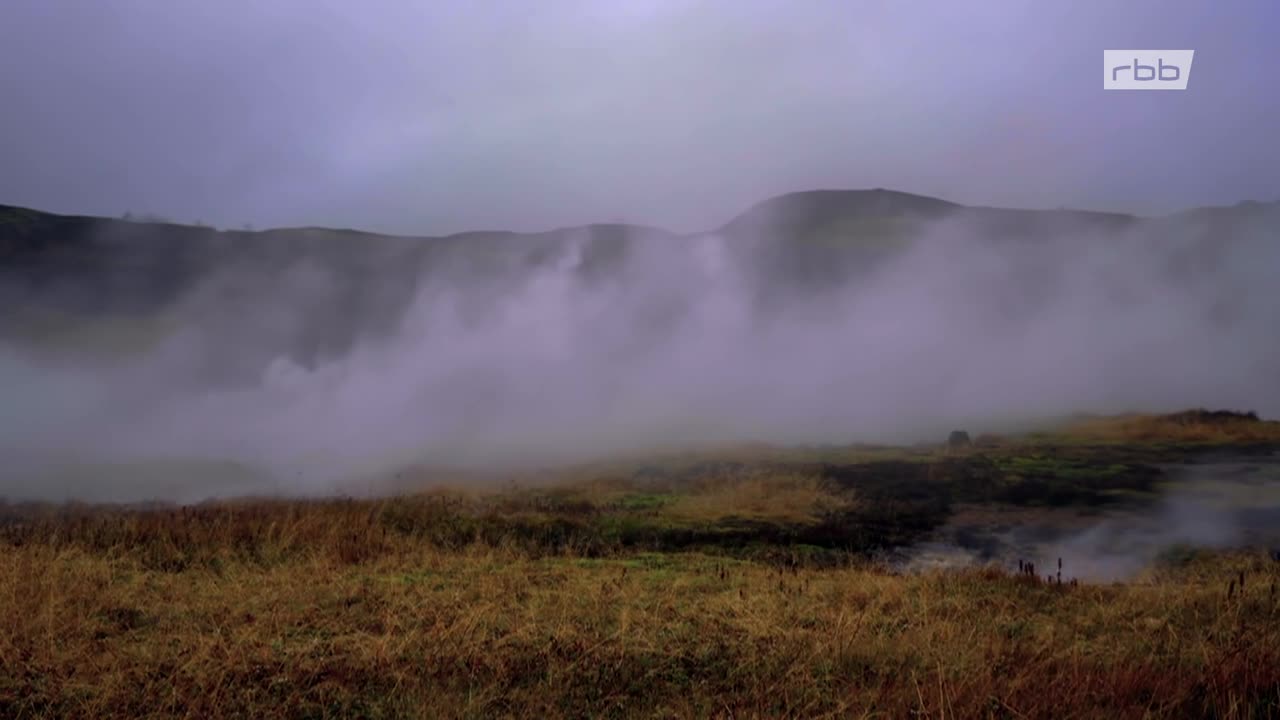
[[1222, 504], [541, 354]]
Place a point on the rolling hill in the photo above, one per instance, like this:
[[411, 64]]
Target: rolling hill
[[70, 282]]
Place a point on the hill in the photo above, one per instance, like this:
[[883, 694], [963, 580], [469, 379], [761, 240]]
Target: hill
[[133, 281]]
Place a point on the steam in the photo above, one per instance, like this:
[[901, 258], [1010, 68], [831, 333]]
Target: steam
[[1218, 505], [541, 357]]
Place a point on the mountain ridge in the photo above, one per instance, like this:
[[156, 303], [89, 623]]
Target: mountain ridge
[[882, 201], [63, 274]]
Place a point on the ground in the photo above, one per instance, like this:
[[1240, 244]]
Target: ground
[[747, 583]]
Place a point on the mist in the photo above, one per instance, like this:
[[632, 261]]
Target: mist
[[542, 356], [1224, 503]]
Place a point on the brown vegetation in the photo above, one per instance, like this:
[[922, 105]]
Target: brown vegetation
[[1189, 426], [693, 587], [363, 608]]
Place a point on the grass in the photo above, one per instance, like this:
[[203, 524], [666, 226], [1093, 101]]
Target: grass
[[735, 583], [1190, 426], [779, 499], [408, 629]]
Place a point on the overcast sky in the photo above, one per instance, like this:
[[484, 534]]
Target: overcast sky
[[438, 116]]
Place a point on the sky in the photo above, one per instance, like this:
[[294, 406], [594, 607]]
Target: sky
[[443, 116]]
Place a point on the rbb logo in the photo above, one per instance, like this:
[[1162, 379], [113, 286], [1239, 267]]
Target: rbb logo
[[1146, 69], [1147, 73]]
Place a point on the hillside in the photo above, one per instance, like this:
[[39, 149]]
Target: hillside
[[76, 282], [99, 260]]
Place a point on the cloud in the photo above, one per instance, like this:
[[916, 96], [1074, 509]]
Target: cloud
[[433, 118]]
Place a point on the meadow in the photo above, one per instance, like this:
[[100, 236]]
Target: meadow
[[743, 582]]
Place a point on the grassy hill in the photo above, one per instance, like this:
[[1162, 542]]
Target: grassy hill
[[70, 281]]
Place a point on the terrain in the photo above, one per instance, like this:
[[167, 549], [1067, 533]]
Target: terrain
[[610, 470], [744, 582], [118, 287]]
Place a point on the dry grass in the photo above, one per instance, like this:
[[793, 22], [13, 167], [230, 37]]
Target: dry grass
[[547, 600], [364, 609], [1190, 426], [797, 499]]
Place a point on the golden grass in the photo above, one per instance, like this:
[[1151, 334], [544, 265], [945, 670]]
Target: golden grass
[[341, 609], [530, 600], [796, 499], [1191, 426]]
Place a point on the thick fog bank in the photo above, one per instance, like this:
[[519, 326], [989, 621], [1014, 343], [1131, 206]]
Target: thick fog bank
[[560, 351]]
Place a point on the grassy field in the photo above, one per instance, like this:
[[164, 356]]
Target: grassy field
[[730, 584]]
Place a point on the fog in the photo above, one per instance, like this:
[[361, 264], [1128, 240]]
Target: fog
[[680, 342]]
